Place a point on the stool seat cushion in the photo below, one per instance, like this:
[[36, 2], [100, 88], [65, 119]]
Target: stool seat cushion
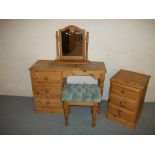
[[81, 93]]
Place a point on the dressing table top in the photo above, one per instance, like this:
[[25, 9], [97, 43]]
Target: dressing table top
[[47, 65]]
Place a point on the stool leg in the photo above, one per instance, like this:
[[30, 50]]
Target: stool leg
[[66, 113], [94, 110], [69, 109]]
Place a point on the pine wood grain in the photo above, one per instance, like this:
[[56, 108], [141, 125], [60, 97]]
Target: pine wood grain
[[48, 78], [126, 97]]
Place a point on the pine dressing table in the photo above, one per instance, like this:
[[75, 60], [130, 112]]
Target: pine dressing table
[[48, 77]]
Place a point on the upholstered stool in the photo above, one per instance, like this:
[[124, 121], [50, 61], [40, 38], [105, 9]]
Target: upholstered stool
[[81, 95]]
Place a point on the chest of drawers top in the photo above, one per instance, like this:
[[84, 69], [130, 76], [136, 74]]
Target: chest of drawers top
[[51, 65], [131, 79]]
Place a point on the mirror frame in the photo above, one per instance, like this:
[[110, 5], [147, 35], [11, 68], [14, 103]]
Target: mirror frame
[[60, 56]]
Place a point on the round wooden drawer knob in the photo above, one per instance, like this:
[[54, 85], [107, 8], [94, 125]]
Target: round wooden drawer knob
[[122, 91], [122, 104], [114, 115]]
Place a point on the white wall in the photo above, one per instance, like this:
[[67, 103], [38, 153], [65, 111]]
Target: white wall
[[128, 44]]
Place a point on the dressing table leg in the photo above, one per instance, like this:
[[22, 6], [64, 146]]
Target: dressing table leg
[[100, 83], [95, 107]]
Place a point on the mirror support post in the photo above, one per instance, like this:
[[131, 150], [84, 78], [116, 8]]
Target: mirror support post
[[87, 39], [57, 45]]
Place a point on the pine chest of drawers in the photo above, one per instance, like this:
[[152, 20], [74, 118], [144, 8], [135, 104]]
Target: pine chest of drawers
[[126, 96]]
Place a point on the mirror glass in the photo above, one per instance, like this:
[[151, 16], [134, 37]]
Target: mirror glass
[[72, 43]]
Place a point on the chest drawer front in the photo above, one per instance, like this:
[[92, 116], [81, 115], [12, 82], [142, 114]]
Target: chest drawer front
[[46, 89], [122, 91], [46, 101], [123, 102], [119, 113], [52, 77]]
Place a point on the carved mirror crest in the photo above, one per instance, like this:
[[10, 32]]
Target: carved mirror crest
[[72, 44]]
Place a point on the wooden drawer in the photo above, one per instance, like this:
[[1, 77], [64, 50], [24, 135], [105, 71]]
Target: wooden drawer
[[46, 89], [52, 77], [123, 102], [120, 113], [81, 73], [121, 121], [122, 91], [46, 101]]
